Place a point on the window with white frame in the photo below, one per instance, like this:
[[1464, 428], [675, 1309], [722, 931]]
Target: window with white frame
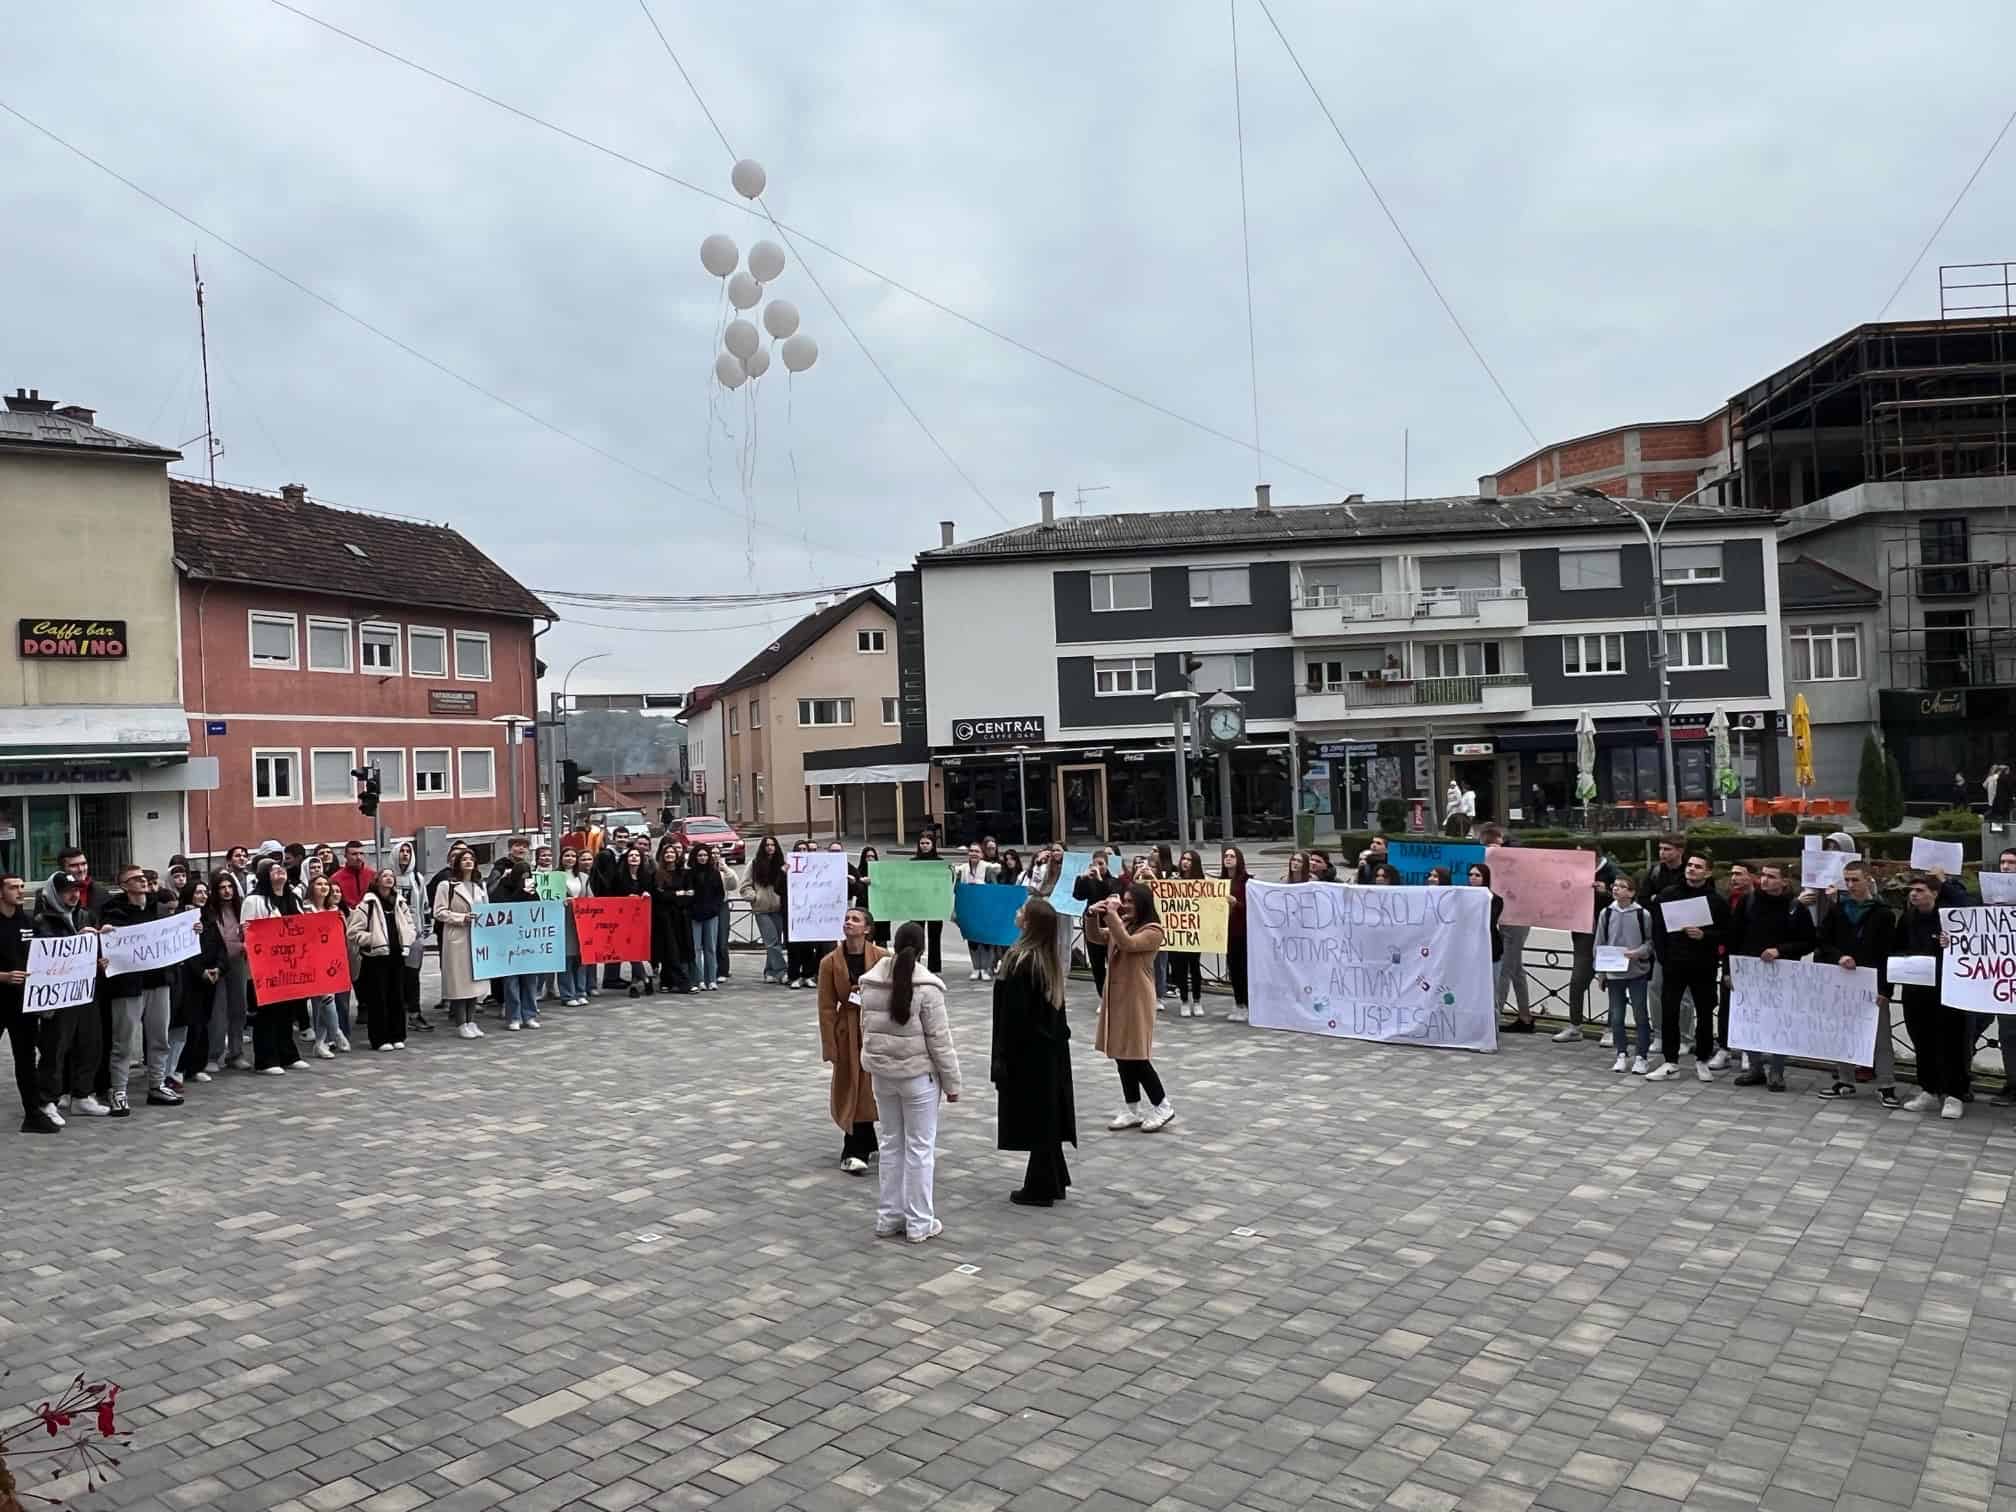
[[275, 777], [1223, 672], [755, 713], [427, 651], [1826, 653], [892, 711], [378, 649], [272, 638], [478, 772], [734, 719], [825, 711], [1461, 658], [328, 644], [472, 656], [735, 795], [1690, 564], [391, 764], [1592, 655], [1696, 650], [1329, 674], [1117, 676], [871, 642], [1214, 586], [329, 779], [1582, 570], [826, 790], [430, 772], [757, 784], [1122, 590]]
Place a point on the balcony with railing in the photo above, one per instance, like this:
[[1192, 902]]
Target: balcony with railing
[[1395, 698], [1323, 611]]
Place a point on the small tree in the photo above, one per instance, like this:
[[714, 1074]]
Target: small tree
[[1872, 788], [1893, 785], [1393, 815]]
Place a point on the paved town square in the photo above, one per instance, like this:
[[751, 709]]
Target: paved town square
[[613, 1263]]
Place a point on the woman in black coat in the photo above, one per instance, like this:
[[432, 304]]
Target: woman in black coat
[[671, 922], [193, 985], [1031, 1067]]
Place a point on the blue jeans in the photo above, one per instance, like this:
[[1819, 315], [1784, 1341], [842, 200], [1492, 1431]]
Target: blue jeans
[[771, 927], [520, 998], [1635, 990], [328, 1024], [707, 950], [343, 1013], [577, 981]]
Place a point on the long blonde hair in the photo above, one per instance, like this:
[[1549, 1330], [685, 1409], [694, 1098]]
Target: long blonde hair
[[1036, 951]]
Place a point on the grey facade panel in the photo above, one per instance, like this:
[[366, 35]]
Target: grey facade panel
[[1748, 674], [1273, 695], [1170, 615], [1080, 708], [1741, 590]]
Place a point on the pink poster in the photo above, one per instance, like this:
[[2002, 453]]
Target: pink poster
[[1550, 889]]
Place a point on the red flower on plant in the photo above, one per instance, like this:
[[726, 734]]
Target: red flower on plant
[[106, 1427], [53, 1420]]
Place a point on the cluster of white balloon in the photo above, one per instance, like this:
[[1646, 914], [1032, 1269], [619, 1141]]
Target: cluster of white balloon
[[746, 357]]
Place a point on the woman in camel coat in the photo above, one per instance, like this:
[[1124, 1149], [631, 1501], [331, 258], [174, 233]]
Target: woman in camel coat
[[852, 1099], [1127, 1007]]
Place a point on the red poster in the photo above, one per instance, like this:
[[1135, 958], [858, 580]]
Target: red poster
[[613, 929], [295, 956]]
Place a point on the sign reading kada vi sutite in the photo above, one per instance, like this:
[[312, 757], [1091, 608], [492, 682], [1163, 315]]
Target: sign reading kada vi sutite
[[72, 640]]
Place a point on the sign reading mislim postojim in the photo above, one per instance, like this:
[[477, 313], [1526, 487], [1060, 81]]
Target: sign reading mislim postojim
[[73, 640]]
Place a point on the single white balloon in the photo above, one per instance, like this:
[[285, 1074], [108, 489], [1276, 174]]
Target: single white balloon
[[744, 291], [741, 339], [728, 368], [766, 261], [799, 353], [719, 254], [748, 178], [757, 362], [780, 318]]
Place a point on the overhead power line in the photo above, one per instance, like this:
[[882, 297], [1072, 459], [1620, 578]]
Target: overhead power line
[[405, 346], [617, 155], [1950, 209], [1393, 221]]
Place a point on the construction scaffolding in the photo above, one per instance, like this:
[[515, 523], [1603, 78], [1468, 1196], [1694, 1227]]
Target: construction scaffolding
[[1949, 600]]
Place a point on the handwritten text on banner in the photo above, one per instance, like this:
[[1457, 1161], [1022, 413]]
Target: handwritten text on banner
[[1804, 1008], [1196, 913]]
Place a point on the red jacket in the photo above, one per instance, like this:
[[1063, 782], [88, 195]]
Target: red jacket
[[352, 882]]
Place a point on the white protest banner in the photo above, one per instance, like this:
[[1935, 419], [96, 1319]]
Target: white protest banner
[[1822, 869], [1612, 959], [1937, 855], [1551, 889], [1687, 913], [815, 895], [1812, 843], [150, 946], [1980, 958], [1409, 965], [1803, 1008], [1913, 971], [62, 972], [1998, 887]]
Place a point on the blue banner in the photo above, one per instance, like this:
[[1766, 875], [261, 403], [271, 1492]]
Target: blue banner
[[1414, 859], [514, 939], [1073, 866], [985, 911]]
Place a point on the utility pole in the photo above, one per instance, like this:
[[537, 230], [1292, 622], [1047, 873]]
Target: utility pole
[[1654, 541], [1179, 707], [203, 341]]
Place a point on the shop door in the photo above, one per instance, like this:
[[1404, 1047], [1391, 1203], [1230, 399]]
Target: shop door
[[47, 833], [102, 832], [1081, 801]]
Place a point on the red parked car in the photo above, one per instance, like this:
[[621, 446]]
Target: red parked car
[[708, 829]]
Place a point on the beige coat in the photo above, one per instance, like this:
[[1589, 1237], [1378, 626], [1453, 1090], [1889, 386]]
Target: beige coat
[[852, 1099], [455, 906], [920, 1046], [1127, 1011], [366, 925]]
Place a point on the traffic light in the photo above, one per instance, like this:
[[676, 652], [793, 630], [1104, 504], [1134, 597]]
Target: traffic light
[[367, 795], [571, 773]]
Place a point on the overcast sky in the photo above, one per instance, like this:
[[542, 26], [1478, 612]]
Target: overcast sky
[[1634, 219]]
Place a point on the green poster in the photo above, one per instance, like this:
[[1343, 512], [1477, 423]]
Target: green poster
[[553, 885], [910, 889]]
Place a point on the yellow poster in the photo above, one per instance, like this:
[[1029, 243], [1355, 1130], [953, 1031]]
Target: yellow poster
[[1195, 913]]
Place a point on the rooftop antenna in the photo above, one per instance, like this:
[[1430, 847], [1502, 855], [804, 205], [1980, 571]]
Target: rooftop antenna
[[209, 437], [1084, 489]]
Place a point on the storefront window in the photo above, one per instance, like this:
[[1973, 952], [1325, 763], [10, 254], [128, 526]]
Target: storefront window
[[48, 832], [102, 831]]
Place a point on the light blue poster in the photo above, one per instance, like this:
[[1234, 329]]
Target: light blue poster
[[1070, 868], [513, 939], [985, 911], [1414, 859]]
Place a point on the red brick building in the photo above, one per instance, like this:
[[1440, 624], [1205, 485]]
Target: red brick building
[[317, 639], [1663, 459]]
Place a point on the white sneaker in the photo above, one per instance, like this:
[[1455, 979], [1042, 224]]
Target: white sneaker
[[201, 1076], [298, 1065], [274, 1071], [323, 1052], [465, 1031], [1952, 1108], [1236, 1016], [510, 1028], [49, 1112], [88, 1107], [239, 1063], [1666, 1072], [1702, 1073], [1638, 1066], [1924, 1102], [399, 1045], [342, 1041], [387, 1049], [1159, 1118], [213, 1067], [854, 1165], [1719, 1061], [474, 1032], [1128, 1117], [985, 976], [531, 1023], [931, 1233], [1568, 1036], [973, 975], [1623, 1063]]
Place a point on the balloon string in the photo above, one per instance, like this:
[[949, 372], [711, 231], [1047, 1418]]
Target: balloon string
[[791, 451], [714, 394], [748, 494]]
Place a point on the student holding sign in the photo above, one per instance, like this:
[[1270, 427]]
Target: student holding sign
[[1771, 926], [1858, 930], [1689, 925], [70, 1041], [273, 1052], [1942, 1036], [1999, 886], [139, 998], [1622, 952], [17, 931]]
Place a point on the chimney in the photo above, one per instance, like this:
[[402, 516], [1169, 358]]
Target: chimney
[[77, 412], [945, 532], [294, 493], [29, 402], [1049, 500], [1263, 497]]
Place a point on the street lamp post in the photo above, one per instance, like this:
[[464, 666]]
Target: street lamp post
[[1022, 788], [1654, 541], [1179, 711], [512, 723], [559, 733]]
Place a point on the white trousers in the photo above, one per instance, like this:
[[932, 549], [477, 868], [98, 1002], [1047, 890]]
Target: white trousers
[[907, 1131]]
